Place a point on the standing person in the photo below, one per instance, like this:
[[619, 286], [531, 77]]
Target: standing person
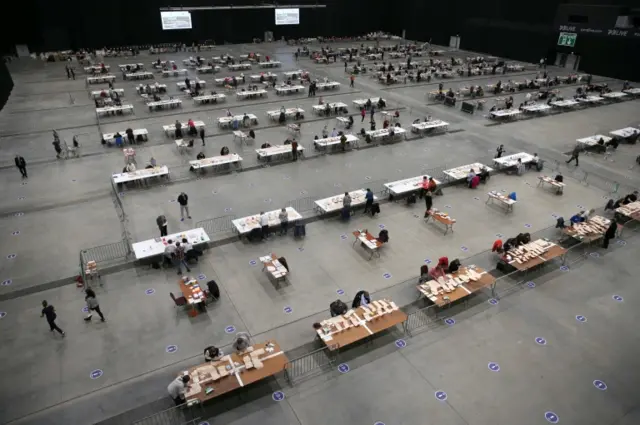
[[428, 200], [183, 200], [264, 222], [73, 73], [177, 388], [610, 233], [180, 258], [92, 303], [294, 150], [363, 113], [499, 151], [56, 146], [50, 313], [353, 80], [369, 200], [575, 154], [161, 221], [202, 135], [284, 221], [345, 66], [66, 67], [22, 166]]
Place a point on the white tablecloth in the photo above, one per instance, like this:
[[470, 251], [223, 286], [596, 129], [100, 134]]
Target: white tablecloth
[[407, 185], [330, 141], [334, 203], [246, 224], [511, 160], [140, 174], [460, 173], [156, 246], [216, 161]]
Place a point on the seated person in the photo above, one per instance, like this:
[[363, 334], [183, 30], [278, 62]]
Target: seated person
[[224, 151], [200, 156], [578, 218], [454, 266], [252, 134], [484, 174], [265, 145], [440, 270], [470, 176], [367, 105], [242, 342], [424, 274], [361, 298], [383, 236]]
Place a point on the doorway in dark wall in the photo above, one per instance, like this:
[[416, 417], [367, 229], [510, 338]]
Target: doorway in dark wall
[[566, 60]]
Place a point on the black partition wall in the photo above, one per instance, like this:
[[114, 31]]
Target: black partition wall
[[6, 84]]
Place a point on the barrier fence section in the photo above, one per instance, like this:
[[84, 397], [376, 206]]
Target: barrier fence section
[[308, 363], [104, 255], [179, 415], [218, 224]]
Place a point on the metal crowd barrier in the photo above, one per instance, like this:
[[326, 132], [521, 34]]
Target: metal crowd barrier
[[304, 365], [422, 318], [218, 224], [302, 205], [179, 415]]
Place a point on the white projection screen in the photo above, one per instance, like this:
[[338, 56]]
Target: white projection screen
[[176, 20], [287, 16]]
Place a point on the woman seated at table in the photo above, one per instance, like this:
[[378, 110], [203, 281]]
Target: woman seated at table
[[200, 156], [265, 145], [381, 103], [224, 151], [440, 270]]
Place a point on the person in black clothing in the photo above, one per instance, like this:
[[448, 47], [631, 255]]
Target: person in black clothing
[[428, 200], [161, 221], [50, 313], [499, 151], [202, 135], [22, 166], [610, 233]]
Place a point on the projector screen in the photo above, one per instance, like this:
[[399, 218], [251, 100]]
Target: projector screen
[[287, 16], [179, 20]]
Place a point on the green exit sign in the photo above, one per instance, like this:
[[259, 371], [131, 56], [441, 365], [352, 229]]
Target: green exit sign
[[567, 39]]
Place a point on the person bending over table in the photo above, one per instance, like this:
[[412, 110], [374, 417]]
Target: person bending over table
[[177, 389], [439, 270], [224, 151], [212, 354], [361, 298], [242, 342]]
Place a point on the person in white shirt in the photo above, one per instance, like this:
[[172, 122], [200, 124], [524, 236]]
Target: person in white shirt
[[264, 222], [177, 388], [334, 133], [169, 252], [527, 98], [131, 167]]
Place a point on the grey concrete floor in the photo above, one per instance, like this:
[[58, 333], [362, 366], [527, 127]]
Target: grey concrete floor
[[66, 205]]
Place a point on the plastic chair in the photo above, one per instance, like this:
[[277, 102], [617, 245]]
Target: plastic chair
[[180, 301]]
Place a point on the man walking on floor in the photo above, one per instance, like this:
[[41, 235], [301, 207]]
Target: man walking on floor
[[50, 313], [22, 166], [161, 221], [575, 154], [183, 200]]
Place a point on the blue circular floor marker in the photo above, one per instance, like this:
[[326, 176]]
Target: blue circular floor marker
[[15, 233], [337, 185], [150, 291], [7, 282], [476, 198], [554, 215], [340, 292], [427, 261], [214, 192], [230, 329], [303, 192], [22, 198], [541, 341], [618, 298], [493, 301], [171, 349], [464, 248], [343, 368], [287, 310], [18, 214], [450, 321], [73, 180], [387, 275], [447, 206], [441, 395], [367, 177], [551, 417], [2, 314], [343, 237], [494, 367], [600, 385], [527, 225], [580, 318], [202, 276], [277, 396], [172, 200], [204, 423], [531, 284], [96, 374], [228, 209], [594, 254], [300, 249], [379, 423], [267, 201], [286, 177], [85, 309], [253, 262], [580, 206], [401, 343], [381, 226], [499, 235], [11, 256], [621, 242], [564, 268]]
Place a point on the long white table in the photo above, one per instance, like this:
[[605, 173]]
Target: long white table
[[400, 187], [154, 88], [289, 89], [506, 113], [251, 93], [123, 67], [507, 202], [512, 160], [227, 80], [274, 115], [98, 79], [632, 91], [334, 203], [360, 103], [625, 132], [224, 122], [430, 125], [590, 99], [166, 103], [321, 109], [382, 133], [144, 75], [277, 151], [170, 130], [614, 95], [209, 98], [271, 64], [95, 68], [460, 173], [330, 85], [110, 137], [335, 141], [207, 69], [536, 107], [97, 94], [267, 77], [182, 85], [140, 174], [112, 110], [156, 246], [294, 74], [593, 140], [174, 72], [568, 103], [247, 224], [217, 161], [239, 66]]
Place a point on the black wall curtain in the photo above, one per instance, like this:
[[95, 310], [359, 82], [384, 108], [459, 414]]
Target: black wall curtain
[[6, 84]]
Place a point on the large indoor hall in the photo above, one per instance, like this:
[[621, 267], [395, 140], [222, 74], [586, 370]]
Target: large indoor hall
[[296, 223]]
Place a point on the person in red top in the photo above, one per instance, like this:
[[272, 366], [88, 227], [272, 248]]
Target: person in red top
[[267, 58], [440, 270], [385, 124], [175, 67], [353, 80], [363, 114]]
